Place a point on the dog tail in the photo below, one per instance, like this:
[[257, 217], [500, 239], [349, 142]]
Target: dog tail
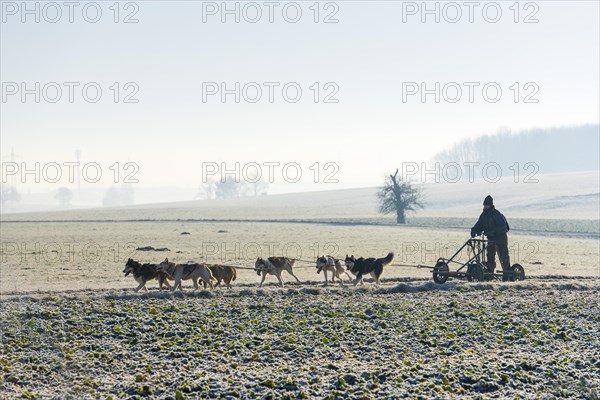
[[210, 274], [387, 259], [234, 273]]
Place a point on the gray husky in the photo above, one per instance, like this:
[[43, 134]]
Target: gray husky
[[179, 272], [333, 265], [274, 266]]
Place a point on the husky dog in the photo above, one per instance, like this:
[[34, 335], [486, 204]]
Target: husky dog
[[328, 263], [361, 266], [225, 273], [143, 273], [179, 272], [274, 266]]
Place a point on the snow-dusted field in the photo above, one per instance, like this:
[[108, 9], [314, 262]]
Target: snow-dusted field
[[535, 339]]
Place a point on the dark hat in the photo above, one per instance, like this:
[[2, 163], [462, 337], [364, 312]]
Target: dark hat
[[488, 201]]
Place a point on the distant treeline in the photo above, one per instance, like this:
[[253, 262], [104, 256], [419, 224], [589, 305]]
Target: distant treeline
[[553, 150]]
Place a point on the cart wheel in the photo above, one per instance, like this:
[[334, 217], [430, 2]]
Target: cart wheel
[[475, 273], [517, 273], [442, 267]]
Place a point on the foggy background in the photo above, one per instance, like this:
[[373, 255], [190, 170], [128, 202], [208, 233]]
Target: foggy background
[[153, 150]]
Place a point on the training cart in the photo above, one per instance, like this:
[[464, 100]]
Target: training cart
[[474, 269]]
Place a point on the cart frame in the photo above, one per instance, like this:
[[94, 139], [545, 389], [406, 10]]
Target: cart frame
[[474, 269]]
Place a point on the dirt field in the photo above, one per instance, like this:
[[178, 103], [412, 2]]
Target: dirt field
[[91, 255]]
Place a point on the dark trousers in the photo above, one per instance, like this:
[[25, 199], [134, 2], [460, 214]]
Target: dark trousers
[[498, 244]]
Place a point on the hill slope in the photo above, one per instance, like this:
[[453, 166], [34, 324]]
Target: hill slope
[[555, 196]]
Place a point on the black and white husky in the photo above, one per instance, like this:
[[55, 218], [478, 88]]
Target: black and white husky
[[362, 266]]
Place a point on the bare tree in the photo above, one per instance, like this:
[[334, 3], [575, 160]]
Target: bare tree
[[112, 197], [127, 195], [229, 188], [118, 196], [257, 184], [399, 196], [64, 196], [9, 193], [206, 190]]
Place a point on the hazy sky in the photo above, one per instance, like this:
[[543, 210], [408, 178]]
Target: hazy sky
[[368, 56]]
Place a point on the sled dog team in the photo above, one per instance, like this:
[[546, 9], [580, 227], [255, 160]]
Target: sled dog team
[[212, 275]]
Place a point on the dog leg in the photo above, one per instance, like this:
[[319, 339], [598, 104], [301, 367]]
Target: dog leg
[[161, 281], [292, 273], [358, 279], [349, 277], [178, 279], [177, 285], [141, 285], [195, 280], [280, 280], [264, 276], [325, 273], [378, 272]]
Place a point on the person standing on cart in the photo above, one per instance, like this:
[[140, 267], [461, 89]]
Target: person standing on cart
[[493, 225]]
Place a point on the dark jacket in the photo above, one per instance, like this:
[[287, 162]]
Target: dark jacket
[[491, 222]]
